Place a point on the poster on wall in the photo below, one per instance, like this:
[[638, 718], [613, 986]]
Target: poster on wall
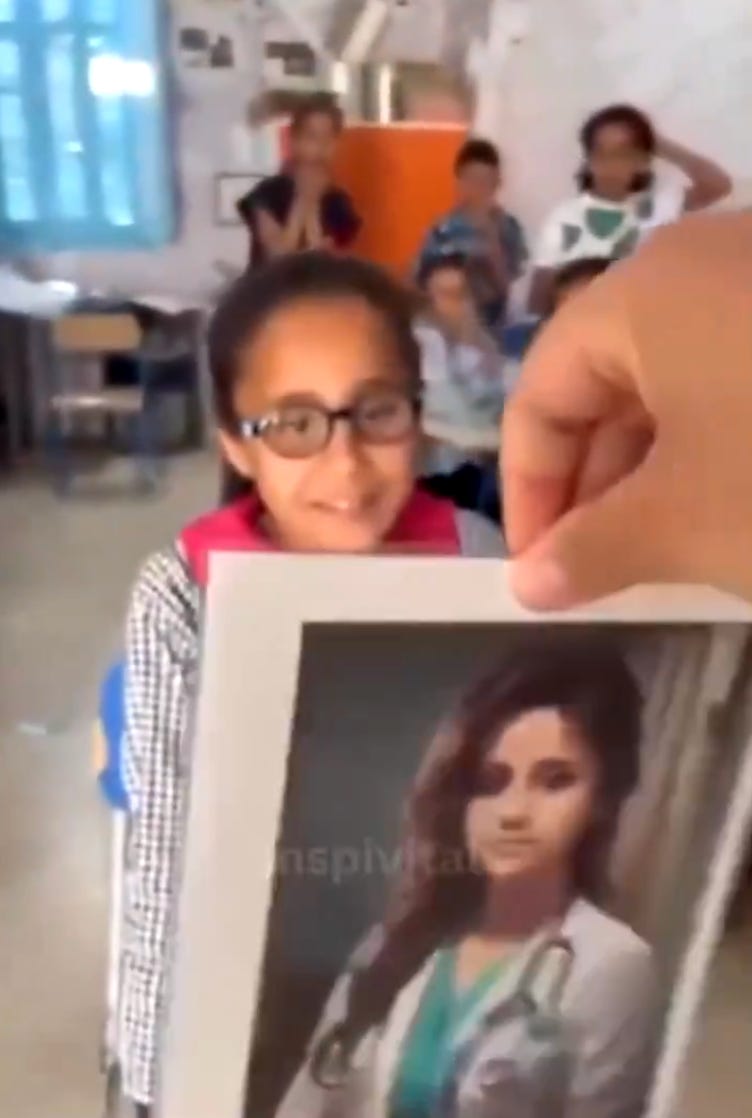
[[415, 876], [212, 39]]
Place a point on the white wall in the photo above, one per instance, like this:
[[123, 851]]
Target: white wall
[[688, 62]]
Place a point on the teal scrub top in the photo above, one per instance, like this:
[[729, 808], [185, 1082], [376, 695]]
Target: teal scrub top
[[426, 1058]]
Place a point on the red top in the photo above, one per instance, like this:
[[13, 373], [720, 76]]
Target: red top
[[425, 522]]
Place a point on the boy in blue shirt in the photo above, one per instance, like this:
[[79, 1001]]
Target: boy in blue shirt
[[480, 230]]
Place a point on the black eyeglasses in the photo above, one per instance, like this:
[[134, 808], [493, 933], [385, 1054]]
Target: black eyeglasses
[[300, 429]]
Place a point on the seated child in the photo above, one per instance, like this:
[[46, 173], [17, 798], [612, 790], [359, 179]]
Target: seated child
[[316, 375], [478, 228], [620, 201], [567, 281], [572, 277], [463, 394]]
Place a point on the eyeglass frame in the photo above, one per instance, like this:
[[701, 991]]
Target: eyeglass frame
[[255, 428]]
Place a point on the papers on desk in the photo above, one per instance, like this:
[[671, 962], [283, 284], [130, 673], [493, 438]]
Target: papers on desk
[[19, 295]]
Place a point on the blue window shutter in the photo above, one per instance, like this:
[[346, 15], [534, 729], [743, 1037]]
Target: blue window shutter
[[85, 146]]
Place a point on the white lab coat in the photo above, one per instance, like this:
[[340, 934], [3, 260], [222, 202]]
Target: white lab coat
[[607, 1012]]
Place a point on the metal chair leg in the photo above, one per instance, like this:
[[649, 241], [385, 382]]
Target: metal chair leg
[[147, 433], [58, 455]]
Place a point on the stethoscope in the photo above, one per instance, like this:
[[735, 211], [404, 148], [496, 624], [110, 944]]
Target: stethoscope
[[331, 1059], [331, 1062]]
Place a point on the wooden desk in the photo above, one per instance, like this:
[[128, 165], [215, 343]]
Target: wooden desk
[[25, 373]]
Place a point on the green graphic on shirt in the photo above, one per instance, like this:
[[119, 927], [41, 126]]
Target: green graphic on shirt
[[570, 235], [626, 245], [604, 223]]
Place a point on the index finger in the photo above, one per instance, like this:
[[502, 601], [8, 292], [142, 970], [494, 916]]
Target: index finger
[[577, 376]]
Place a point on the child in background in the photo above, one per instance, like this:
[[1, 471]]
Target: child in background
[[619, 200], [575, 276], [316, 377], [478, 228], [300, 209], [462, 385], [567, 281]]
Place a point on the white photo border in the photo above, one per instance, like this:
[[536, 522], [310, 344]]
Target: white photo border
[[224, 918]]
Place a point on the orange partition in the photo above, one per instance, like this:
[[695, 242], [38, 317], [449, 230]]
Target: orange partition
[[401, 180]]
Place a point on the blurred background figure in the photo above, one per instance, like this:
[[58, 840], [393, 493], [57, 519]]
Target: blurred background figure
[[573, 277], [300, 207], [463, 387], [619, 200], [491, 240]]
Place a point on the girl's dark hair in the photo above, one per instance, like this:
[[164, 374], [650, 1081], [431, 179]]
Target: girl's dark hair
[[261, 293], [476, 150], [624, 116], [440, 262], [580, 271], [317, 104], [440, 893]]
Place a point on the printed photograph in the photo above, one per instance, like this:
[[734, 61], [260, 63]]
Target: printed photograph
[[494, 845]]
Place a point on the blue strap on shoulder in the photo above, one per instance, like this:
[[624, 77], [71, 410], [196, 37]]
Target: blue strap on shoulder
[[112, 727]]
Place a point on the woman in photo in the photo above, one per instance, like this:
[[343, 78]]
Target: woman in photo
[[619, 199], [499, 986]]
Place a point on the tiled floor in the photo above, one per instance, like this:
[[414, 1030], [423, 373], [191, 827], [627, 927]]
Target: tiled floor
[[64, 573]]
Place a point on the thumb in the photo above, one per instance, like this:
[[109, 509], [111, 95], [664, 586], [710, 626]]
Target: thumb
[[621, 539]]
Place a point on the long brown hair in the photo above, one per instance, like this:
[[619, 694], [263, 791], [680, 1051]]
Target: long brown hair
[[440, 892]]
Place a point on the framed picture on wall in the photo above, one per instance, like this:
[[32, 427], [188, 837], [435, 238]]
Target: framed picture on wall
[[229, 188], [444, 857]]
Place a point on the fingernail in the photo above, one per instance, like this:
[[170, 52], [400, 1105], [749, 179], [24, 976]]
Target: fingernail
[[541, 584]]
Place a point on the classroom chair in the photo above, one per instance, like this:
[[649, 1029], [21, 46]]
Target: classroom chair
[[91, 337]]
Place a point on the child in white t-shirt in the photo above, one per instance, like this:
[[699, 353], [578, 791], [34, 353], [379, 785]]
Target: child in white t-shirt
[[619, 200]]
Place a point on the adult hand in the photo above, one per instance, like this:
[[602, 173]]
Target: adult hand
[[627, 445]]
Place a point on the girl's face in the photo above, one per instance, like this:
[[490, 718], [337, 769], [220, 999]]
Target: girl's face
[[615, 161], [534, 799], [314, 145], [450, 296], [348, 495]]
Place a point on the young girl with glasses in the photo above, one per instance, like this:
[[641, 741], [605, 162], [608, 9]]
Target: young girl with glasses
[[316, 378]]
